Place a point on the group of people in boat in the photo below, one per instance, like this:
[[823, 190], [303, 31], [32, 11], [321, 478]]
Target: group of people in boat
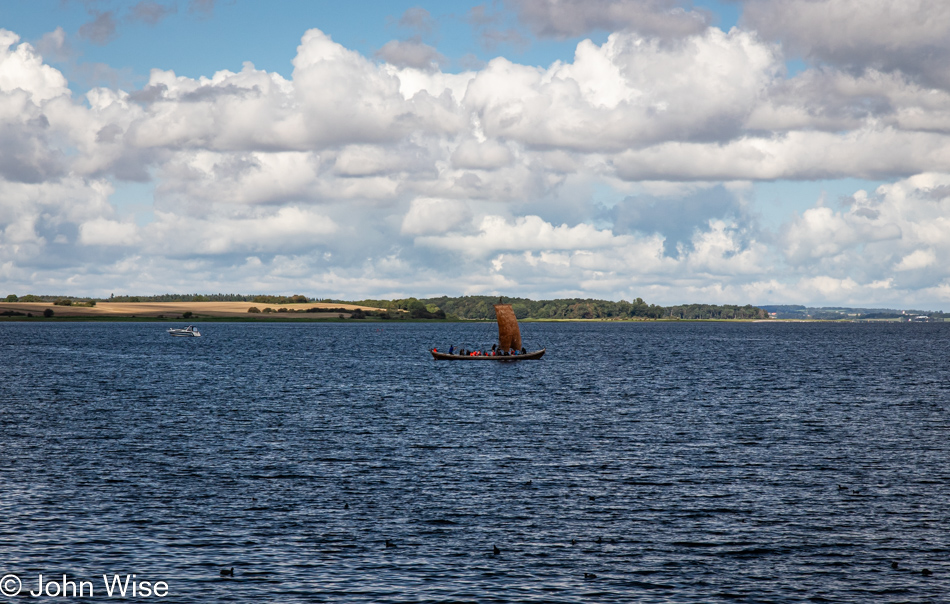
[[496, 351]]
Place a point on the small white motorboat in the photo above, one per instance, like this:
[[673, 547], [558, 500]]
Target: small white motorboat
[[188, 332]]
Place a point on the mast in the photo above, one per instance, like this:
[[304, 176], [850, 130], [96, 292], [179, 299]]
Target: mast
[[509, 336]]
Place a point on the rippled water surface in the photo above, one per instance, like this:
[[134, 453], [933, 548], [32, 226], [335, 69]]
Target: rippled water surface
[[676, 462]]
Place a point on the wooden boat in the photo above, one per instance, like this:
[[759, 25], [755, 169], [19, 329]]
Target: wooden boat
[[530, 356], [509, 336]]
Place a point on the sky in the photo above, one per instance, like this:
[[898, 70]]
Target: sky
[[733, 151]]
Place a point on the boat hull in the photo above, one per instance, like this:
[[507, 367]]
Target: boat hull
[[183, 333], [530, 356]]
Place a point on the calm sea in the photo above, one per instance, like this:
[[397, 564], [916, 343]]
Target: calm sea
[[676, 462]]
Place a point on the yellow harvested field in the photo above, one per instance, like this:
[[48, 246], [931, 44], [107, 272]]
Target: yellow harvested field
[[171, 310]]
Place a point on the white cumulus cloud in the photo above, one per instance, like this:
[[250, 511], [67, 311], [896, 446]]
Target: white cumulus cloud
[[101, 231]]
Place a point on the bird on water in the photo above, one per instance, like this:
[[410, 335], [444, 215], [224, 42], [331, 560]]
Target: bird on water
[[926, 572], [495, 550], [590, 576], [390, 543], [227, 573], [894, 565]]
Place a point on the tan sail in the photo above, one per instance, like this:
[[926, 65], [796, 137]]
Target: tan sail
[[509, 336]]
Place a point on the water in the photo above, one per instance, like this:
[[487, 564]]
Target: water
[[688, 462]]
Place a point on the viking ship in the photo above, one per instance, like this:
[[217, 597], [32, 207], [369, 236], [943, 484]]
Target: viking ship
[[509, 338]]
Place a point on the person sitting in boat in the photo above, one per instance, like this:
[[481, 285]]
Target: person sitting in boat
[[523, 351], [451, 348]]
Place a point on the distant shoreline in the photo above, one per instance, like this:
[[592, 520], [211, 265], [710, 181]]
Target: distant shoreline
[[177, 311], [238, 311], [290, 313]]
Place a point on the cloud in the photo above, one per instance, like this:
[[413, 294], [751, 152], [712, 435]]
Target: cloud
[[23, 70], [821, 233], [897, 235], [909, 36], [621, 94], [371, 160], [918, 259], [871, 152], [571, 18], [336, 97], [150, 12], [525, 233], [365, 104], [411, 53], [475, 155], [101, 231], [28, 90], [488, 29], [286, 230], [835, 101], [723, 249], [419, 20], [26, 154], [675, 217], [101, 30], [428, 216], [191, 181], [481, 16], [53, 45]]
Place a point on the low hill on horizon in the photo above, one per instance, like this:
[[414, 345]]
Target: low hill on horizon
[[837, 313], [462, 307], [481, 307]]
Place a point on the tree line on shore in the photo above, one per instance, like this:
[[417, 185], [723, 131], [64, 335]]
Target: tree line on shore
[[465, 307], [482, 307]]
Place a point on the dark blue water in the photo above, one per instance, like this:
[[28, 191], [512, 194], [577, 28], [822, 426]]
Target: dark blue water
[[687, 462]]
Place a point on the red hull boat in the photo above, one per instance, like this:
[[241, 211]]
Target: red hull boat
[[528, 356]]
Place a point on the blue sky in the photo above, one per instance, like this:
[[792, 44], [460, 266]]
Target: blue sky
[[757, 151]]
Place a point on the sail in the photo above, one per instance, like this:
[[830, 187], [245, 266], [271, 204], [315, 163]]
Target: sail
[[509, 336]]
